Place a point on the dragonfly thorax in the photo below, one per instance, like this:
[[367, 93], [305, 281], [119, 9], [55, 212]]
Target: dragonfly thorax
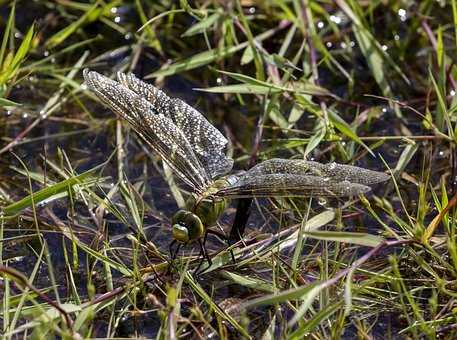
[[202, 212]]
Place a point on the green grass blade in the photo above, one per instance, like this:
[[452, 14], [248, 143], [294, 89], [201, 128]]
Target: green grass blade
[[23, 49], [206, 57], [242, 89], [6, 34], [48, 193], [310, 324], [201, 292], [346, 130], [89, 16], [362, 239], [203, 25], [248, 282]]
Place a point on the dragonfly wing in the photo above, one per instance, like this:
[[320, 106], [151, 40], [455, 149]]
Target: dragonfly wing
[[158, 130], [283, 177], [290, 185], [333, 172], [207, 142]]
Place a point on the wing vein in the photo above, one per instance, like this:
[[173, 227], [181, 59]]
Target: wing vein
[[158, 130]]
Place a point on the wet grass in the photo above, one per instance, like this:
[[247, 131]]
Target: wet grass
[[86, 206]]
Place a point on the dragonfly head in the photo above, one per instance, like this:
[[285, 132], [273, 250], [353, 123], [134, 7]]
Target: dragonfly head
[[186, 226]]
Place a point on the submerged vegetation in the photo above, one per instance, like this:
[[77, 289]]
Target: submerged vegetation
[[86, 206]]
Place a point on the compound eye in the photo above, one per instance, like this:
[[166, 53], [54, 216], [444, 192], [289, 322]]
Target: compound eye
[[186, 226], [194, 226], [179, 217]]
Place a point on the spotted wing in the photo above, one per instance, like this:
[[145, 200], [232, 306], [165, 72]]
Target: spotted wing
[[282, 177], [333, 172], [206, 141], [158, 130]]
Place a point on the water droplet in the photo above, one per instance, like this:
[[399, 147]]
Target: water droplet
[[219, 80], [335, 19], [18, 35], [452, 93], [128, 36], [328, 44], [320, 24], [343, 45], [384, 47], [46, 53], [352, 43], [402, 14], [8, 113], [42, 112], [396, 37], [252, 10], [117, 19], [113, 10], [384, 109], [25, 115]]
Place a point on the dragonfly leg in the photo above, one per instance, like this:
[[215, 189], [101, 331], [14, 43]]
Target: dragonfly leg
[[173, 253], [204, 254], [170, 247], [202, 259]]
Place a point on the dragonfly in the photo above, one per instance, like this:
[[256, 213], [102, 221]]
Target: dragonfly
[[194, 150]]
